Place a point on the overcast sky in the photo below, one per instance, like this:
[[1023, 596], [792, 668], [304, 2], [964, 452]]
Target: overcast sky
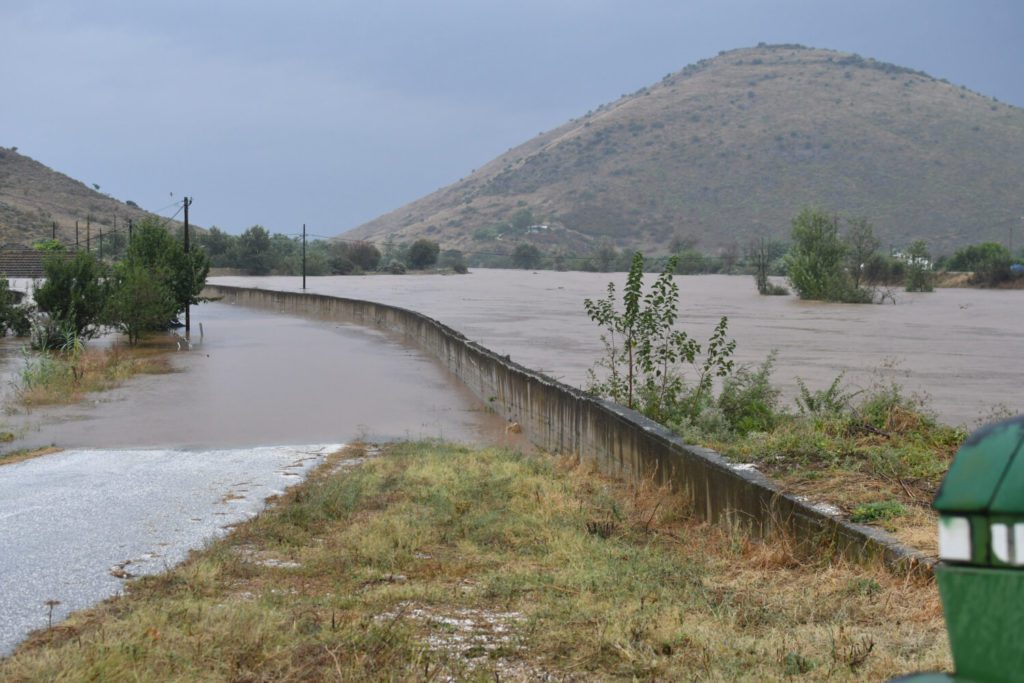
[[330, 112]]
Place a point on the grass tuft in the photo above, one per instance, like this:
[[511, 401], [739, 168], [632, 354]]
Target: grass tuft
[[63, 377]]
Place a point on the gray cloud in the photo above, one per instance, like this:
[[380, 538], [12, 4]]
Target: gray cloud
[[331, 113]]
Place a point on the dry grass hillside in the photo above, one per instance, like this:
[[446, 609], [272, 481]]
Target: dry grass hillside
[[34, 196], [733, 147]]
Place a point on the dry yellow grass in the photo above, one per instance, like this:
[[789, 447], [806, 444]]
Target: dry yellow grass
[[435, 562]]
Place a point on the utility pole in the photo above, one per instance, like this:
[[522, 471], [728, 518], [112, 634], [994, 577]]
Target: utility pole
[[53, 231], [101, 244], [76, 235], [188, 311], [303, 256], [88, 233], [130, 226]]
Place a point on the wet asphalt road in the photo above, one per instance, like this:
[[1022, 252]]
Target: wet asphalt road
[[67, 520]]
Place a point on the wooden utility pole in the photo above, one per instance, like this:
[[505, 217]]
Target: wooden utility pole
[[303, 256], [101, 244], [76, 235], [53, 231], [188, 311], [130, 226], [88, 233]]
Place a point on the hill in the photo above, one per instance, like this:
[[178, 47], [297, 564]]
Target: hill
[[731, 148], [33, 197]]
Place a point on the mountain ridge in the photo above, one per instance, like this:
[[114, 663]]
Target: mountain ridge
[[730, 148]]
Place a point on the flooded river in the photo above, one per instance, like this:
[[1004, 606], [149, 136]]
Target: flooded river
[[958, 347]]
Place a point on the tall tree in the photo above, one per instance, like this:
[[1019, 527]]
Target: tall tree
[[183, 273]]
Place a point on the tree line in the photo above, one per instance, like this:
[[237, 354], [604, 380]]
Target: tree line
[[258, 252]]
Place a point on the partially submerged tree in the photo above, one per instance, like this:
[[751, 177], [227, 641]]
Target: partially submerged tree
[[861, 246], [73, 295], [919, 268], [760, 254], [526, 256], [815, 262], [423, 253], [155, 282], [184, 274], [139, 301]]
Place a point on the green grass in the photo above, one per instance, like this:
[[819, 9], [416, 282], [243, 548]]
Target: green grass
[[880, 511], [436, 562]]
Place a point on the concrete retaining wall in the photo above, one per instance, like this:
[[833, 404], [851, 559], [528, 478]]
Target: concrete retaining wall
[[562, 419]]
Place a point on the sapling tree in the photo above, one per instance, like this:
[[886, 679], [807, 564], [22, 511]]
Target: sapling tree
[[644, 352]]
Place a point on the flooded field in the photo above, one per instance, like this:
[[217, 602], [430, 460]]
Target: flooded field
[[261, 379], [959, 347]]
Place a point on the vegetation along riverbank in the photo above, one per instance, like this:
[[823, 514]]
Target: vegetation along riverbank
[[876, 455], [434, 561]]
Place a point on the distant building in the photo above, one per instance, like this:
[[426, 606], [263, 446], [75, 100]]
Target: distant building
[[22, 262]]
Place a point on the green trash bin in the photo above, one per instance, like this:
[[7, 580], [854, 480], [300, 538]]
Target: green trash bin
[[981, 551]]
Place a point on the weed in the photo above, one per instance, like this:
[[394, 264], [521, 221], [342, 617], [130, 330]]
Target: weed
[[824, 402], [875, 512]]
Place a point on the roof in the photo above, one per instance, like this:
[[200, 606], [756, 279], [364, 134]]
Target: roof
[[987, 474], [23, 262]]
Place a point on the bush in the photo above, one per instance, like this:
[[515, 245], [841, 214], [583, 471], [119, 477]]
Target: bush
[[824, 402], [748, 401], [422, 254]]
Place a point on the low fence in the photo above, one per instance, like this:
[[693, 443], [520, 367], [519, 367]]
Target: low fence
[[562, 419]]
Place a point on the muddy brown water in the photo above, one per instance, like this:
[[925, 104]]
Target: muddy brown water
[[960, 348], [257, 378]]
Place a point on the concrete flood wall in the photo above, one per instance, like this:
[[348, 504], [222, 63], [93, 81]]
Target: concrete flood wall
[[562, 419]]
